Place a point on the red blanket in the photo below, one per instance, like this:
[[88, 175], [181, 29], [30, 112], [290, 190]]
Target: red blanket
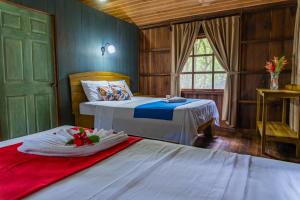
[[23, 174]]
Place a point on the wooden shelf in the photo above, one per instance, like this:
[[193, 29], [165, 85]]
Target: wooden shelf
[[247, 101], [277, 129], [154, 74], [156, 50], [266, 40]]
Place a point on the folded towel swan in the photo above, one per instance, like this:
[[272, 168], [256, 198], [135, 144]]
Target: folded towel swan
[[55, 144], [176, 100]]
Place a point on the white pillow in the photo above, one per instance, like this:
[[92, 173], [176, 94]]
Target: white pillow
[[91, 89], [121, 83]]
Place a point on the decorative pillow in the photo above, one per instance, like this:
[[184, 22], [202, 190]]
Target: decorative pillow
[[106, 93], [91, 89], [121, 83], [120, 93]]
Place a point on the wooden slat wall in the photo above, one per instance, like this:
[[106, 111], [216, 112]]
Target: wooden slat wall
[[217, 96], [155, 61], [265, 32]]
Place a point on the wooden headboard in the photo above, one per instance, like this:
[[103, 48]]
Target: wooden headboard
[[78, 95]]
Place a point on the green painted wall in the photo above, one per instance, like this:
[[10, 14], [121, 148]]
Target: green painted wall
[[80, 32]]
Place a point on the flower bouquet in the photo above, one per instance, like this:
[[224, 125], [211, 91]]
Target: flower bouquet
[[83, 136], [275, 67]]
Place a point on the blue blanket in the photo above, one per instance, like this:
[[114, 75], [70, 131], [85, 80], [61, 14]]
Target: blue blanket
[[159, 109]]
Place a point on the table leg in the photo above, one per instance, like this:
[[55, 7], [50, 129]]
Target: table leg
[[263, 134], [298, 150], [257, 112], [283, 121]]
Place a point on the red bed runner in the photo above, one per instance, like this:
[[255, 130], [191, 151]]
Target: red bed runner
[[23, 174]]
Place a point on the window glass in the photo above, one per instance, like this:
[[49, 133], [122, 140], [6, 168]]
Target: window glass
[[204, 64], [202, 47], [219, 81], [203, 68], [218, 66], [185, 81], [188, 67], [203, 81]]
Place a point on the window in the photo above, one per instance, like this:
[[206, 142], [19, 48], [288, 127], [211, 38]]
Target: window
[[202, 70]]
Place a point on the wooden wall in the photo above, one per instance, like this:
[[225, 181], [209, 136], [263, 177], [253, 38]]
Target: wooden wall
[[80, 33], [155, 61], [265, 32]]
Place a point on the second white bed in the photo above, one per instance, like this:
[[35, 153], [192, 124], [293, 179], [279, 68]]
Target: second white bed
[[119, 115], [164, 171]]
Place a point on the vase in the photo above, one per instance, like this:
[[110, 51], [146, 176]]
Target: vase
[[274, 81]]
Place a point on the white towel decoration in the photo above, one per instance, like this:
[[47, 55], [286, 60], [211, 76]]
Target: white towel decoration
[[176, 100], [54, 144]]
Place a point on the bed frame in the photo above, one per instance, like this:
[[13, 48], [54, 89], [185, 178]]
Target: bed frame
[[78, 96]]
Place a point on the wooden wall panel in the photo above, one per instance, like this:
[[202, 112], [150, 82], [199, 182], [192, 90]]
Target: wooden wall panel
[[256, 26], [157, 86], [155, 61], [266, 32], [217, 96]]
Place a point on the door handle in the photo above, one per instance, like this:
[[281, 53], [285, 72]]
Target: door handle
[[53, 85]]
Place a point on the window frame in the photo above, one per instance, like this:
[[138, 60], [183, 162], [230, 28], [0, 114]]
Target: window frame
[[193, 72]]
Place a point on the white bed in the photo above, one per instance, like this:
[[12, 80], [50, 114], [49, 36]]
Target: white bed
[[164, 171], [119, 115]]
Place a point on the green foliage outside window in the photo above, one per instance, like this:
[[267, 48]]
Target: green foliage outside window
[[202, 70]]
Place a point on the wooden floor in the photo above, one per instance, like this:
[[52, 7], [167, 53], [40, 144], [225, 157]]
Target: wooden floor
[[247, 142]]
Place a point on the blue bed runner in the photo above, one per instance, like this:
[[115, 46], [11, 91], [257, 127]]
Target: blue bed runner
[[159, 109]]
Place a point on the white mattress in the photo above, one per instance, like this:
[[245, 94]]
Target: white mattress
[[163, 171], [182, 129]]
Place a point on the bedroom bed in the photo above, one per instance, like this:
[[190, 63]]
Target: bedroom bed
[[159, 170], [187, 121]]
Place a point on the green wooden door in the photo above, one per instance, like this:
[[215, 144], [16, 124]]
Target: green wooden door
[[27, 95]]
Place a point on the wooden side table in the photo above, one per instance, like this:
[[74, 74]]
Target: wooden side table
[[278, 131]]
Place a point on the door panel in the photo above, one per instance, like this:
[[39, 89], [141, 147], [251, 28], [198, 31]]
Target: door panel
[[11, 20], [13, 59], [38, 26], [27, 100], [43, 111], [40, 61], [17, 115]]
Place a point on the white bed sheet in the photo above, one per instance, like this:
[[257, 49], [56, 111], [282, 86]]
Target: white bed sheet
[[118, 115], [164, 171]]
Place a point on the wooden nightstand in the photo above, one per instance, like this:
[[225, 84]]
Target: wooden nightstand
[[271, 130]]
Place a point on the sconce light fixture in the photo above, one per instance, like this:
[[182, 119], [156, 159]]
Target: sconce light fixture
[[109, 48]]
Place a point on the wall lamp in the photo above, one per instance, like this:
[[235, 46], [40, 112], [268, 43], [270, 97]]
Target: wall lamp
[[109, 48]]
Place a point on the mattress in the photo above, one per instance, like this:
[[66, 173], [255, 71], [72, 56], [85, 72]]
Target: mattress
[[119, 115], [164, 171]]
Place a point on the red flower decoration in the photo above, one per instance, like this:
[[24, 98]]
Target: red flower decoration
[[276, 65], [81, 139], [79, 128]]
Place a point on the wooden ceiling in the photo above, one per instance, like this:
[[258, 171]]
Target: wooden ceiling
[[146, 12]]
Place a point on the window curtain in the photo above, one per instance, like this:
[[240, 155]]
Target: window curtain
[[223, 35], [294, 113], [183, 39]]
